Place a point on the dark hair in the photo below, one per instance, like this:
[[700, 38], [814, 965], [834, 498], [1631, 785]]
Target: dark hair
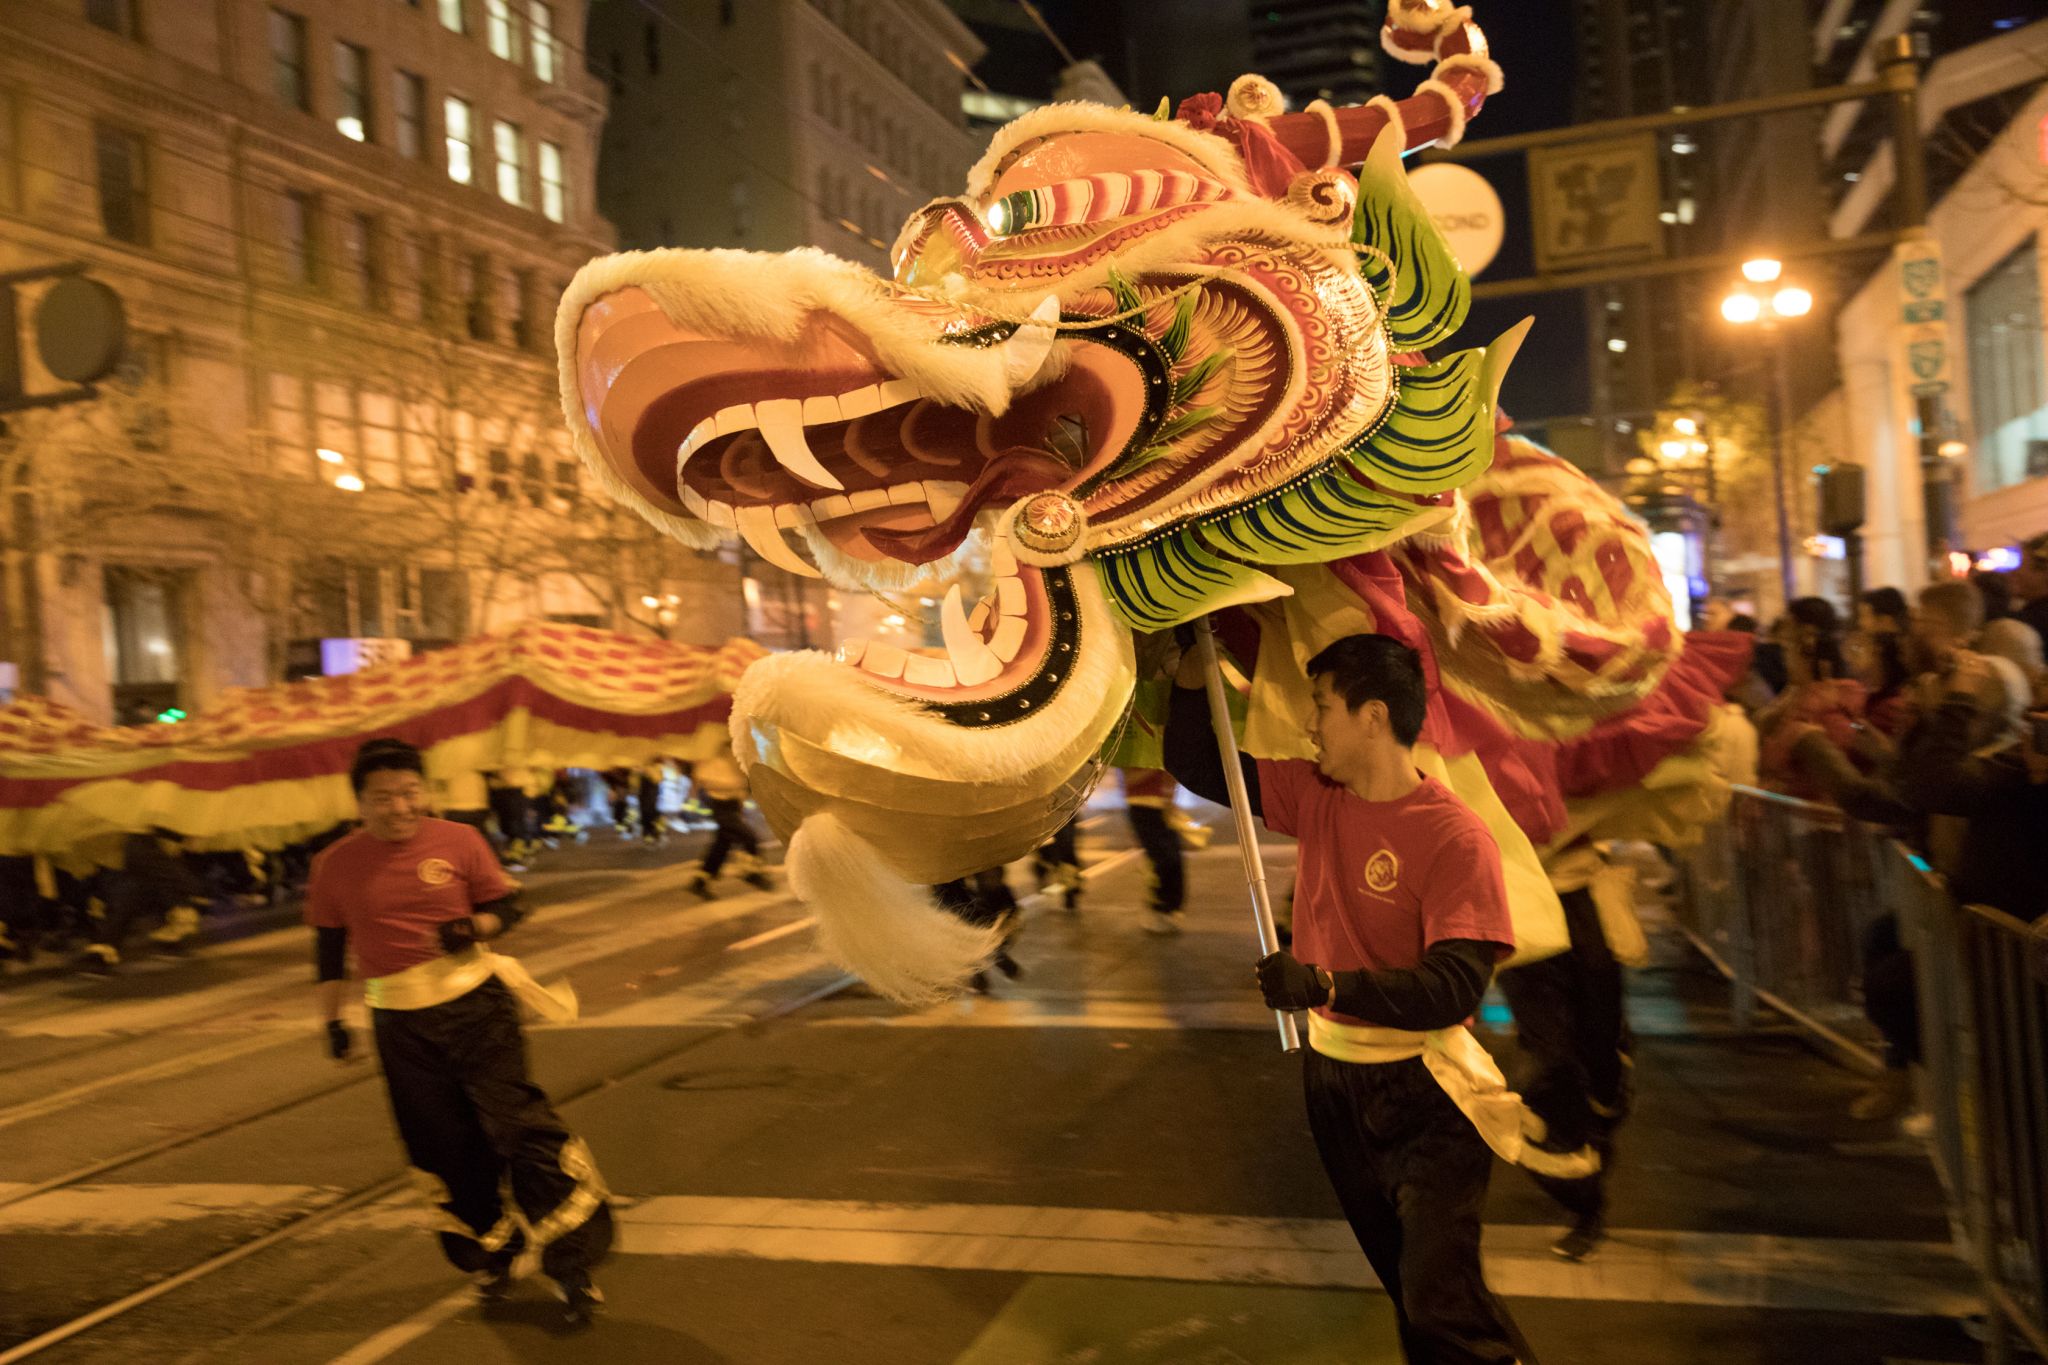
[[1819, 615], [1889, 603], [1743, 622], [1996, 592], [381, 756], [1364, 668]]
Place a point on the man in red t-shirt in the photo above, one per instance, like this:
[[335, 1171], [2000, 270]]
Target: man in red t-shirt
[[414, 896], [1400, 916]]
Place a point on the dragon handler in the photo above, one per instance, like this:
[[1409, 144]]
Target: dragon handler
[[417, 898], [1401, 915]]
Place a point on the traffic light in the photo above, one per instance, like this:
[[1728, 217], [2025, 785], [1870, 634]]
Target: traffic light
[[1841, 499]]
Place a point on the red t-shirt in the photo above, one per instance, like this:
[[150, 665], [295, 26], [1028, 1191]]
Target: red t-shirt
[[1378, 882], [393, 898]]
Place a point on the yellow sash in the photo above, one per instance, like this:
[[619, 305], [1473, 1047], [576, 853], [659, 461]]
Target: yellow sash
[[1465, 1072], [446, 978]]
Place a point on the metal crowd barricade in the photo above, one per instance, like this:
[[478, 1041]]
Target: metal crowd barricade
[[1780, 896]]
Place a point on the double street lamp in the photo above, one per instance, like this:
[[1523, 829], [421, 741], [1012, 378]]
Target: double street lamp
[[1766, 299]]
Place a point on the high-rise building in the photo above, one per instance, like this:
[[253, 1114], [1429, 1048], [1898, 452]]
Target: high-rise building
[[775, 124], [338, 230], [1319, 49]]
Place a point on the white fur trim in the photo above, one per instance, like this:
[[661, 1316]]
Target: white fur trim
[[1334, 152], [1249, 94], [1213, 153], [1454, 105], [1496, 81], [1412, 56], [1396, 125], [852, 574], [875, 924]]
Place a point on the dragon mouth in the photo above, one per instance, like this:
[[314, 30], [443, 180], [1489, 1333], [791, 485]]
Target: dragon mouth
[[814, 453]]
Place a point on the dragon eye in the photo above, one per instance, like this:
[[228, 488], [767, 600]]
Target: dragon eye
[[1097, 198]]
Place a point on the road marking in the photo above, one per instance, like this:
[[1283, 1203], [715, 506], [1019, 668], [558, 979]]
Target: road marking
[[770, 935], [1093, 1012], [1636, 1265], [130, 1209], [400, 1335]]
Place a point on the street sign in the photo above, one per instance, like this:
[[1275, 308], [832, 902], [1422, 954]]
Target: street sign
[[1464, 208], [1923, 317], [1595, 203]]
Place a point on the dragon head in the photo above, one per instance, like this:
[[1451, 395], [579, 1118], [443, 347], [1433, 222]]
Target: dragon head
[[1138, 359]]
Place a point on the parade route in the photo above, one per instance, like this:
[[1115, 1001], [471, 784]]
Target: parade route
[[1101, 1161]]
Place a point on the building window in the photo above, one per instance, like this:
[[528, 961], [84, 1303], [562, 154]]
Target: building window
[[422, 255], [352, 91], [451, 16], [123, 173], [650, 37], [526, 323], [359, 252], [510, 149], [288, 58], [554, 189], [459, 119], [500, 465], [2008, 385], [498, 32], [476, 295], [298, 252], [115, 16], [409, 113], [540, 34]]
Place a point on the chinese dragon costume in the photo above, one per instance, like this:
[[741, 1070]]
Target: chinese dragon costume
[[1144, 369]]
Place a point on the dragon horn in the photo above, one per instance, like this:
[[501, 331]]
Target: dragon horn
[[1419, 32]]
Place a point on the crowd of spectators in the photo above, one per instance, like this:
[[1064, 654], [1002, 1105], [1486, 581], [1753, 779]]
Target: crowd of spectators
[[1928, 719]]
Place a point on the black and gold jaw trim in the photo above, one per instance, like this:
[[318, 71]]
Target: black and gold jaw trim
[[1055, 668]]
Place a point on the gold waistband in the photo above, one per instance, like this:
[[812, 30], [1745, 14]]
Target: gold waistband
[[433, 982], [1366, 1044], [448, 978]]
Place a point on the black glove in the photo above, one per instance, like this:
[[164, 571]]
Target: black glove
[[1291, 985], [458, 934], [339, 1041]]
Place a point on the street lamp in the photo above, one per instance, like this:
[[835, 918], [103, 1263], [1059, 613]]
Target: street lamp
[[1747, 305]]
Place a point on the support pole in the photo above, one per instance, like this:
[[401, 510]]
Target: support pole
[[1240, 808]]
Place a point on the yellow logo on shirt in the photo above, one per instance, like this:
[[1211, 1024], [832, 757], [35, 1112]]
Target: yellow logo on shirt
[[1383, 871], [437, 871]]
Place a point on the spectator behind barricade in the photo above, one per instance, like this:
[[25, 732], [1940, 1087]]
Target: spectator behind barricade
[[1986, 760], [1996, 590], [2013, 640], [2029, 584], [1818, 693], [1877, 653]]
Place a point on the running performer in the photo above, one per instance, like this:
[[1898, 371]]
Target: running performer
[[417, 899]]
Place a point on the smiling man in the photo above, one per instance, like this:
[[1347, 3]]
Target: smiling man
[[416, 897], [1400, 916]]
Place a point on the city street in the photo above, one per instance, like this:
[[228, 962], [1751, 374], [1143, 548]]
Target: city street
[[1103, 1161]]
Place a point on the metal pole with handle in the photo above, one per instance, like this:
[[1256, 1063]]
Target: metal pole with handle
[[1240, 809]]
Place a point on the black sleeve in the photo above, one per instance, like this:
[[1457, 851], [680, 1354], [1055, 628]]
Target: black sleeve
[[1440, 990], [329, 949], [508, 909], [1941, 776], [1191, 756]]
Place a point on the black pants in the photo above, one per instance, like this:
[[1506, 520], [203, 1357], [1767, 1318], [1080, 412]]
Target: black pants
[[1161, 843], [1571, 1023], [510, 807], [473, 1122], [1890, 1000], [1410, 1171], [733, 831], [650, 807]]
